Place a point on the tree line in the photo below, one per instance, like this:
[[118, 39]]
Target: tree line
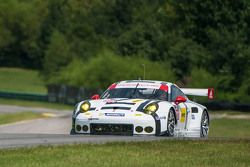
[[94, 43]]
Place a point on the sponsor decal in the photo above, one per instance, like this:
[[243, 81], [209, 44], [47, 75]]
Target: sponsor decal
[[141, 85], [115, 114], [93, 118], [109, 101], [177, 113], [117, 102], [164, 117], [183, 114], [87, 113], [193, 116], [137, 100]]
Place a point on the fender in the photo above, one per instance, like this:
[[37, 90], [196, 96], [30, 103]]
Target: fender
[[195, 116], [163, 114]]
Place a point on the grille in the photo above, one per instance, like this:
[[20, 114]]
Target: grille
[[112, 129]]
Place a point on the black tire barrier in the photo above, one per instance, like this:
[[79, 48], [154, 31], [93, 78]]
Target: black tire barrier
[[69, 94], [72, 95], [216, 105]]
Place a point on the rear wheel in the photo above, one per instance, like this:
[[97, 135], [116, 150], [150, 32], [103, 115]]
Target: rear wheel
[[204, 124], [170, 124]]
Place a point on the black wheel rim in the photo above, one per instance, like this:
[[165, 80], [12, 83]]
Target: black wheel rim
[[171, 123], [204, 125]]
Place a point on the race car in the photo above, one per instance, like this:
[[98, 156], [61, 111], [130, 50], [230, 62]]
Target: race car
[[143, 107]]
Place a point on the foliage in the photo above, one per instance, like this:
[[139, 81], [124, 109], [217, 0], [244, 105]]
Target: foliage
[[201, 78], [212, 35], [107, 68], [57, 55], [20, 31]]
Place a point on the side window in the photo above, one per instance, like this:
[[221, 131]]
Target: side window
[[176, 92]]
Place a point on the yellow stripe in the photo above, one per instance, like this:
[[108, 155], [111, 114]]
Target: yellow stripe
[[48, 114], [183, 114], [136, 100]]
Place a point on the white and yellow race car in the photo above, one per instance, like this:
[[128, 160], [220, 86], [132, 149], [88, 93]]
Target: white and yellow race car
[[143, 107]]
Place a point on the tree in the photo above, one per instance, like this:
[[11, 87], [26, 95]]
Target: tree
[[20, 31], [57, 55], [107, 68]]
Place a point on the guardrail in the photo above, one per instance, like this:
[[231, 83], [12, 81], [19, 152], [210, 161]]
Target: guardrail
[[69, 94], [56, 94], [24, 96], [72, 95]]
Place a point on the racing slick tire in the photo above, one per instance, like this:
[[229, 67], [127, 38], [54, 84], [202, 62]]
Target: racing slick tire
[[170, 124], [204, 124]]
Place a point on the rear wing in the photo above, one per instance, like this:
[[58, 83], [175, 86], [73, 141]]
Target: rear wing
[[199, 92]]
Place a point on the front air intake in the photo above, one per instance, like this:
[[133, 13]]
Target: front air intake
[[112, 129]]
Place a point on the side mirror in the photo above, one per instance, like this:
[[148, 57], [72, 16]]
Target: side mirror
[[95, 97], [180, 99]]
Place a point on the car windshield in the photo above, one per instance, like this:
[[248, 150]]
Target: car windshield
[[140, 93]]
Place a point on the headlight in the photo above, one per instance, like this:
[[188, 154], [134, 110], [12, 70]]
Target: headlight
[[151, 108], [85, 106]]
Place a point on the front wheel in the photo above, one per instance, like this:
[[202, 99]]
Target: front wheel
[[170, 124], [204, 124]]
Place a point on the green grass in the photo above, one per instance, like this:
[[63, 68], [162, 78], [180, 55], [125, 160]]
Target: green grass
[[229, 112], [230, 128], [21, 80], [172, 153], [15, 117], [26, 103]]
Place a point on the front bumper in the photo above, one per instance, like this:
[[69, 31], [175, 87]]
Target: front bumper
[[129, 124]]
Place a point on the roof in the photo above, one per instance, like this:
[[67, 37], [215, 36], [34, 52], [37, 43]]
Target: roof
[[145, 81]]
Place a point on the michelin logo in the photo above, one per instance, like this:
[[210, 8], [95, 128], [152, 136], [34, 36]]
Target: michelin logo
[[115, 114]]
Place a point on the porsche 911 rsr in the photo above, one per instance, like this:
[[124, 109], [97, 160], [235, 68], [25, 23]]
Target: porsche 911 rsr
[[143, 107]]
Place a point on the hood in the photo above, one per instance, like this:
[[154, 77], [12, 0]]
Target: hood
[[121, 105]]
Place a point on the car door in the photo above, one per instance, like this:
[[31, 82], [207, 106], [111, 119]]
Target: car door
[[181, 108]]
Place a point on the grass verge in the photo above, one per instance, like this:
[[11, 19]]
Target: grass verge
[[20, 116], [21, 80], [27, 103], [229, 128], [172, 153]]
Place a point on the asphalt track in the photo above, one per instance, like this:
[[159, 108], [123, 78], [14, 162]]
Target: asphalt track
[[54, 130], [31, 140]]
